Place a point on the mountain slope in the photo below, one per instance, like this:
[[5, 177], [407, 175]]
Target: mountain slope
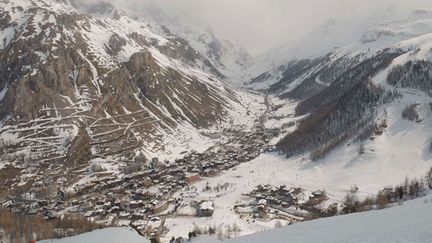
[[104, 78], [343, 96], [332, 49], [357, 116], [231, 60]]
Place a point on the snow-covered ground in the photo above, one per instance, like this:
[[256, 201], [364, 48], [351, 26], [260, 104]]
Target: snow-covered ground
[[108, 235], [401, 151], [334, 176], [407, 223]]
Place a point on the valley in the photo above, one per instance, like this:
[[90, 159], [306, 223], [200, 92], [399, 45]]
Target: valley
[[137, 119], [135, 192]]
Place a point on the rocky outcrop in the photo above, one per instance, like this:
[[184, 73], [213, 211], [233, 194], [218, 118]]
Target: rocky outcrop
[[79, 151]]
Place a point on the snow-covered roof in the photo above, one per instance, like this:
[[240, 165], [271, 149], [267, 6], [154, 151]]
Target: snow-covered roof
[[206, 205]]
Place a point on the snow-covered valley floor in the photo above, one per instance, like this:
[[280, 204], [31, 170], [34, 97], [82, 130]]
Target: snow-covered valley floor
[[386, 160], [407, 223], [335, 177]]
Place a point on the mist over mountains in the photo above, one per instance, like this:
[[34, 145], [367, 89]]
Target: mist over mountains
[[260, 25]]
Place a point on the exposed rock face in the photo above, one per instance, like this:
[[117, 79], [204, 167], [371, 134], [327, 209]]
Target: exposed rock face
[[109, 84], [79, 151], [172, 85]]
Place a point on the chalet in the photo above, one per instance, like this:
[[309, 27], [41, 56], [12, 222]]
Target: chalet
[[124, 215], [99, 211], [114, 209], [262, 202], [160, 206], [244, 210], [155, 177], [169, 178], [75, 202], [205, 209], [317, 197], [143, 195], [318, 194], [139, 224], [117, 202], [296, 211], [107, 205], [136, 204], [195, 170], [100, 201], [209, 172], [261, 211], [274, 201], [285, 205], [164, 190], [137, 216]]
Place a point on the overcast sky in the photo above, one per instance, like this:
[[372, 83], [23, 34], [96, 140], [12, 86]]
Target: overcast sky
[[262, 24]]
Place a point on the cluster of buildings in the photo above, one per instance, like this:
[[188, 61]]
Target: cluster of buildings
[[141, 195], [269, 202]]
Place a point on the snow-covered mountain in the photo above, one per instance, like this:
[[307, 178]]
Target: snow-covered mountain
[[94, 84], [230, 59], [334, 47], [348, 93]]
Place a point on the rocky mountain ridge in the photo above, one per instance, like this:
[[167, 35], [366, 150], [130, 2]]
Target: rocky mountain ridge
[[230, 59], [105, 78]]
